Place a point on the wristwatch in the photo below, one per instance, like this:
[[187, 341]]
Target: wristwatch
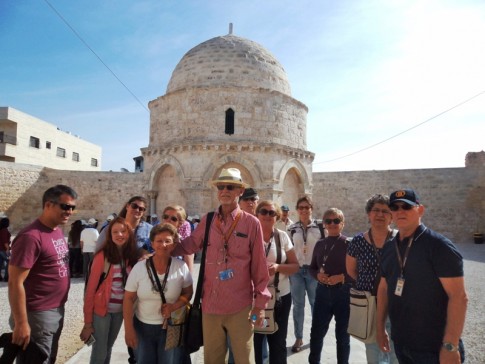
[[450, 347]]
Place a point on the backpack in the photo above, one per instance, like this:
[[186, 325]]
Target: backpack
[[102, 277]]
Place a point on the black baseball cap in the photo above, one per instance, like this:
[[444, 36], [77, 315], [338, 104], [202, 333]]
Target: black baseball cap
[[408, 196]]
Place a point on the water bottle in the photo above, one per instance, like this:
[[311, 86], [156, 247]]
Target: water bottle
[[255, 317]]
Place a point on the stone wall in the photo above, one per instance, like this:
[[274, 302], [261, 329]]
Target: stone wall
[[453, 197]]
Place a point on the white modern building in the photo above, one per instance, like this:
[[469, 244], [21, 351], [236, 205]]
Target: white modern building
[[26, 139]]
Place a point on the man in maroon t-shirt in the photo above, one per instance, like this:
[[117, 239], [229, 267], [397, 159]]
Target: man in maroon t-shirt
[[39, 277]]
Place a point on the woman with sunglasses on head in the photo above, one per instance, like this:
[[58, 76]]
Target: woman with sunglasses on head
[[268, 213], [305, 233], [332, 296], [103, 310], [146, 324], [363, 258], [133, 212], [175, 215]]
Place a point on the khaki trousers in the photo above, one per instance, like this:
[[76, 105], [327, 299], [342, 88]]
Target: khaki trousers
[[240, 331]]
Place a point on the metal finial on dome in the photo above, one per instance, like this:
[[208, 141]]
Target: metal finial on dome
[[230, 28]]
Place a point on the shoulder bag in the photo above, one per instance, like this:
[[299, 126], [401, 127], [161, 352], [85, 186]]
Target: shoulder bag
[[363, 306], [193, 325]]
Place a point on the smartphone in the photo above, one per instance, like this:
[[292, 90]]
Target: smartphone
[[90, 341]]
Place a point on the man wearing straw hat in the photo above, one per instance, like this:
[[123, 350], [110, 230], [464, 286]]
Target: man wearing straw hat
[[236, 275]]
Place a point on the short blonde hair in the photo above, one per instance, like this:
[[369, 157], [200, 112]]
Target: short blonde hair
[[334, 211]]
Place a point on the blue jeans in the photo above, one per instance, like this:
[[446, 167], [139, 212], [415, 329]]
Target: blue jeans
[[333, 301], [407, 356], [4, 258], [106, 331], [151, 345], [277, 340], [376, 356], [300, 283]]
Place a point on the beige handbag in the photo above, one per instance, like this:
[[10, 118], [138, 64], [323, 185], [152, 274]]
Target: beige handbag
[[363, 317]]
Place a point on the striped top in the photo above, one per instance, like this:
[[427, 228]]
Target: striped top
[[117, 290]]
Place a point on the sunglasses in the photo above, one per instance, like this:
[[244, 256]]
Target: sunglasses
[[173, 218], [404, 207], [265, 212], [134, 206], [227, 187], [335, 221], [304, 207], [65, 206]]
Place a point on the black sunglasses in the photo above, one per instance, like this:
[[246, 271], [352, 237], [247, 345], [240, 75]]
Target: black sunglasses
[[265, 212], [254, 199], [335, 221], [134, 206], [227, 187], [65, 206], [404, 206], [173, 218]]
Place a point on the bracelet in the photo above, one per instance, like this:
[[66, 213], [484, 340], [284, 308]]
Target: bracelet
[[184, 299]]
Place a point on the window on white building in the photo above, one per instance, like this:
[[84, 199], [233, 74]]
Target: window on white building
[[48, 145], [94, 162], [34, 142], [61, 152], [75, 157]]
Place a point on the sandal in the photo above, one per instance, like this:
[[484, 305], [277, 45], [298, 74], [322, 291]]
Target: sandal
[[296, 348]]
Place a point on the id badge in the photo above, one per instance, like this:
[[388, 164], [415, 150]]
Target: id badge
[[226, 274], [399, 287], [304, 249]]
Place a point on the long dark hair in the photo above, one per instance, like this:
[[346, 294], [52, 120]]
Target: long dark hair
[[128, 251], [133, 199]]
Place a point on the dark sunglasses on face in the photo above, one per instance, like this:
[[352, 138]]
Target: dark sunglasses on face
[[304, 207], [134, 206], [253, 199], [227, 187], [65, 206], [173, 218], [335, 221], [265, 212], [404, 206]]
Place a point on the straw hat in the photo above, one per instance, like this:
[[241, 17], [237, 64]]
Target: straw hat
[[230, 176]]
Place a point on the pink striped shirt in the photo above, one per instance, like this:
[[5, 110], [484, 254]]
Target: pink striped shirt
[[115, 303], [245, 256]]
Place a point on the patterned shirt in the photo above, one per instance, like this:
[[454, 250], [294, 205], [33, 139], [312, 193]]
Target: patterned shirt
[[244, 256], [367, 263]]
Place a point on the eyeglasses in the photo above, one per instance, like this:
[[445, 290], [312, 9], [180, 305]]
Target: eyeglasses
[[380, 211], [254, 199], [227, 187], [335, 221], [304, 207], [173, 218], [65, 206], [405, 207], [134, 206], [265, 212]]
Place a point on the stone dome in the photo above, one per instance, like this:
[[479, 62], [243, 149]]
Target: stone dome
[[229, 61]]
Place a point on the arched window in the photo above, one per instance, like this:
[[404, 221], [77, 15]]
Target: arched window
[[229, 121]]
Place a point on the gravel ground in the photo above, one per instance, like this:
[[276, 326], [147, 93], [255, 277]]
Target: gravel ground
[[473, 335]]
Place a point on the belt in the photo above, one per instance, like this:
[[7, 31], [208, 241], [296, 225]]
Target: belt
[[330, 286]]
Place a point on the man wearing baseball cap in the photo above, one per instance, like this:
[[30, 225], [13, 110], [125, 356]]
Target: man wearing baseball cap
[[422, 289], [284, 221]]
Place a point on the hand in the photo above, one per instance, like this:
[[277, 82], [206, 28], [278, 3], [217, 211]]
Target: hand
[[130, 337], [167, 309], [21, 335], [383, 341], [323, 278], [260, 317], [449, 357], [86, 332], [272, 269]]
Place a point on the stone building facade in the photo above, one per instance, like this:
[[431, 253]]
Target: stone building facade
[[229, 104]]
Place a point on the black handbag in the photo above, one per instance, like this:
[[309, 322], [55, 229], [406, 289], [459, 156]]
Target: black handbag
[[194, 338]]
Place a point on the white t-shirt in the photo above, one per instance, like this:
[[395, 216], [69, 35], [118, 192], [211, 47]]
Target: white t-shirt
[[149, 304], [89, 236], [286, 245]]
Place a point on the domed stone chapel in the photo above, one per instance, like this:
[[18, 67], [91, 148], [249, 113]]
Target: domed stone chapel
[[228, 104]]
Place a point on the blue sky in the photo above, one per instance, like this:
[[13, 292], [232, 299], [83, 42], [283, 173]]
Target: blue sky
[[367, 70]]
